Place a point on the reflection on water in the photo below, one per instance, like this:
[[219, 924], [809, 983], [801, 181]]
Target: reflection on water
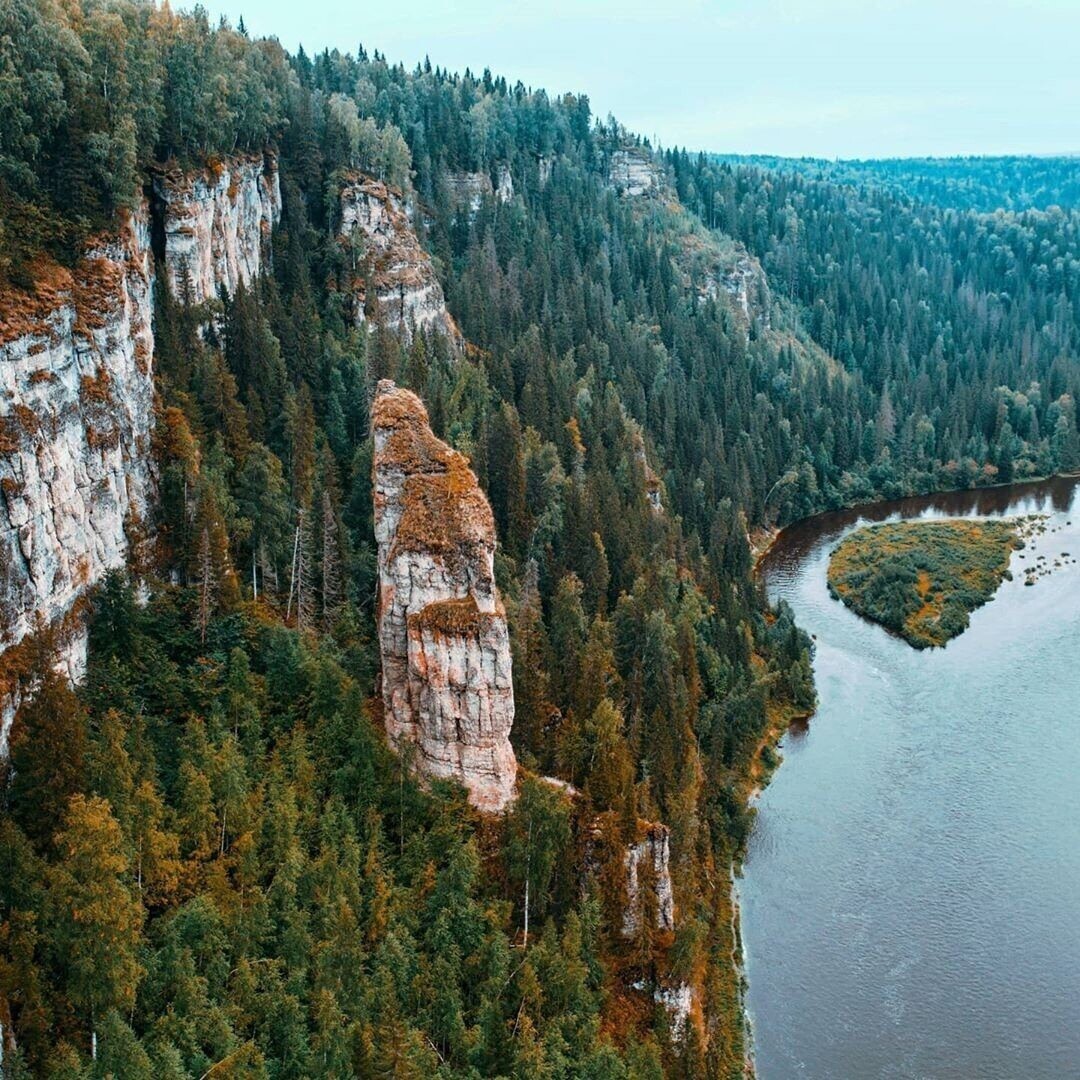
[[911, 890]]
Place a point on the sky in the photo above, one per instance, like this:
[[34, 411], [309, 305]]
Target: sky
[[821, 78]]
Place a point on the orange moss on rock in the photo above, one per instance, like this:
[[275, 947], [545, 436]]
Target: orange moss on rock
[[443, 509], [444, 512], [456, 618]]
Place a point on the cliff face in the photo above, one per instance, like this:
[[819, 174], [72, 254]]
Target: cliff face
[[468, 189], [634, 173], [75, 415], [76, 393], [388, 258], [447, 688], [217, 224], [648, 865], [743, 279]]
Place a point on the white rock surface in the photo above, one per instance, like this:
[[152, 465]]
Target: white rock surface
[[634, 173], [217, 224], [650, 859], [386, 252], [745, 282], [679, 1001], [76, 401], [470, 188], [447, 689]]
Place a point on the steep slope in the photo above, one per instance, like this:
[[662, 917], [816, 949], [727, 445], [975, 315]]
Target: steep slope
[[76, 412], [77, 401], [447, 687], [216, 223], [394, 282]]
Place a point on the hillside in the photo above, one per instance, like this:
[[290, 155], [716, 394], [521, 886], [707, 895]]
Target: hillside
[[379, 449]]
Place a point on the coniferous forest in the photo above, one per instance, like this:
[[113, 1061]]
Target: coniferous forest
[[211, 862]]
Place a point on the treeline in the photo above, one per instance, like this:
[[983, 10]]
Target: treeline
[[983, 184]]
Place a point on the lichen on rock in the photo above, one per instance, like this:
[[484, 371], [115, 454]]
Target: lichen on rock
[[394, 283], [217, 224], [76, 409], [446, 675]]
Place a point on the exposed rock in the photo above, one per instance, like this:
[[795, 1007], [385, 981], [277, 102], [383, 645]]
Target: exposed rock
[[387, 255], [469, 189], [679, 1002], [544, 164], [648, 863], [744, 280], [633, 172], [446, 676], [217, 224], [504, 183], [653, 485], [76, 402]]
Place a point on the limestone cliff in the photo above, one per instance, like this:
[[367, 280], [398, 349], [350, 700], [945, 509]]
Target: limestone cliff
[[634, 173], [446, 677], [216, 223], [387, 257], [76, 393], [75, 415], [648, 880], [469, 189]]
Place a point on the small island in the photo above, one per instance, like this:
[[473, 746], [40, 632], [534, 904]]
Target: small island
[[922, 579]]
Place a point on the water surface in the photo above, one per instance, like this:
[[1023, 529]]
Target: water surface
[[911, 895]]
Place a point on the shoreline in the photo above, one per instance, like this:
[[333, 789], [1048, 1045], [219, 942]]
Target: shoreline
[[762, 540]]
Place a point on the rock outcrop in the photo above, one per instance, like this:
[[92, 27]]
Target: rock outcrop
[[680, 1002], [648, 866], [634, 173], [388, 259], [446, 676], [76, 401], [216, 224], [469, 189], [744, 280]]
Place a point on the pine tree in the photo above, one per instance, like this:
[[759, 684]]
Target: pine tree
[[94, 920]]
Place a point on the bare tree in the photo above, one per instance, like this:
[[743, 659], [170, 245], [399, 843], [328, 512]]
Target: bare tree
[[207, 583], [331, 564], [301, 586]]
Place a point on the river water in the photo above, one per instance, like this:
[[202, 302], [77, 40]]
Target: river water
[[911, 893]]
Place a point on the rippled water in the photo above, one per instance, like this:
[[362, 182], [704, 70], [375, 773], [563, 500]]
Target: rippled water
[[911, 893]]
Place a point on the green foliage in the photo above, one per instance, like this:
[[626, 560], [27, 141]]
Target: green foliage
[[284, 899], [922, 579]]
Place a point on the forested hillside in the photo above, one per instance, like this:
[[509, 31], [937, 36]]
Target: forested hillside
[[984, 184], [213, 863]]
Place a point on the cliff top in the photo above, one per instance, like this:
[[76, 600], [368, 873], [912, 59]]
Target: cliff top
[[444, 510], [92, 287]]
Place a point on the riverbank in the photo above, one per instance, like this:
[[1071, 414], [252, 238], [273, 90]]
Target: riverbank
[[889, 851], [763, 539]]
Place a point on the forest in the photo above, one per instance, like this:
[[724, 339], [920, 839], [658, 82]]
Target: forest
[[212, 862]]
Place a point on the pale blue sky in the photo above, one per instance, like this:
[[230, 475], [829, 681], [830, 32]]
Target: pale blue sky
[[829, 78]]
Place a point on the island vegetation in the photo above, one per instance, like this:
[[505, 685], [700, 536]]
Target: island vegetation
[[922, 579]]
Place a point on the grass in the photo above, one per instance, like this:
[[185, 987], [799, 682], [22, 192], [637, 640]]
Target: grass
[[922, 579]]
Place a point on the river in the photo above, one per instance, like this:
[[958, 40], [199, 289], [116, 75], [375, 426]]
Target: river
[[911, 893]]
